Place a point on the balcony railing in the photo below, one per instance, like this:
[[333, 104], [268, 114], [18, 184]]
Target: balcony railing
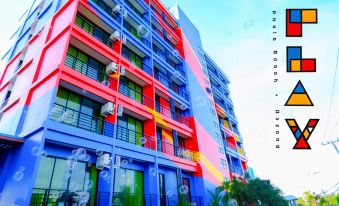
[[177, 151], [136, 138], [163, 18], [136, 60], [164, 56], [164, 80], [162, 35], [94, 72], [107, 8], [165, 200], [134, 32], [94, 31], [135, 95], [136, 11], [230, 146], [172, 114], [81, 120], [134, 199], [236, 170], [46, 197]]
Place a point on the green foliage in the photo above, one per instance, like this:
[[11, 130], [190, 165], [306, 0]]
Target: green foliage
[[248, 193], [125, 197], [183, 201], [309, 199]]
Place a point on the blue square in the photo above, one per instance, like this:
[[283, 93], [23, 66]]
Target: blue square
[[295, 16]]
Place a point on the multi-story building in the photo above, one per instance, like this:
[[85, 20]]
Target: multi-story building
[[104, 100]]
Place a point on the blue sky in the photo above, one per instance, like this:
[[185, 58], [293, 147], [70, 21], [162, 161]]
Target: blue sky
[[237, 34]]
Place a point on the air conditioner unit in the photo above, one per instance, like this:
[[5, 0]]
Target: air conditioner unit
[[117, 161], [122, 71], [125, 13], [115, 36], [103, 161], [120, 110], [112, 68], [124, 39], [107, 109], [117, 9]]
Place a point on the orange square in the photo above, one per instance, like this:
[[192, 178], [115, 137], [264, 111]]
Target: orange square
[[309, 16]]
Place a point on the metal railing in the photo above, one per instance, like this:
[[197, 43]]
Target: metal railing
[[94, 72], [172, 114], [136, 199], [162, 36], [164, 55], [136, 11], [47, 197], [236, 170], [107, 8], [230, 146], [81, 120], [164, 19], [135, 95], [136, 138], [134, 32], [166, 200], [136, 60], [93, 30], [164, 80], [177, 151]]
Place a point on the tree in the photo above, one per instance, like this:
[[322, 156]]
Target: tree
[[251, 192]]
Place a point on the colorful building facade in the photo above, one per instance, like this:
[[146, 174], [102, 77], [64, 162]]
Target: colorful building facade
[[102, 101]]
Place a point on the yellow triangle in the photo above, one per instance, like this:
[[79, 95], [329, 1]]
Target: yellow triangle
[[299, 100]]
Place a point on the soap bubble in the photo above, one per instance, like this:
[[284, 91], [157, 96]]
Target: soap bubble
[[105, 83], [169, 194], [248, 24], [143, 140], [232, 202], [79, 153], [99, 152], [175, 53], [176, 74], [152, 171], [200, 100], [142, 31], [183, 107], [105, 175], [37, 151], [84, 91], [124, 162], [86, 158], [183, 189], [22, 168], [83, 197], [90, 184], [18, 175], [130, 160]]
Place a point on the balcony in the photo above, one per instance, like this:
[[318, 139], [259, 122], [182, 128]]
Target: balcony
[[136, 11], [107, 8], [230, 146], [81, 120], [169, 148], [94, 72], [59, 197], [134, 199], [164, 56], [129, 27], [135, 95], [136, 138], [176, 200], [162, 36], [168, 83], [136, 60], [236, 170], [172, 114], [163, 19], [93, 30]]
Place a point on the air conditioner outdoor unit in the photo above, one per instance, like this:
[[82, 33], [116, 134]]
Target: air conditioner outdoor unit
[[112, 68], [107, 109], [120, 110], [117, 9], [103, 161], [115, 36], [124, 39], [122, 71]]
